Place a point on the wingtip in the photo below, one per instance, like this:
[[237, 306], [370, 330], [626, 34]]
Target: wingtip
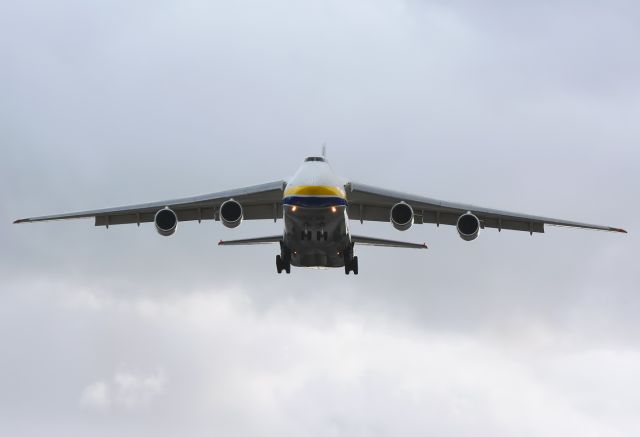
[[622, 231], [424, 246], [15, 222], [220, 243]]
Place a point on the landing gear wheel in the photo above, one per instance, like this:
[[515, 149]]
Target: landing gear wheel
[[283, 263], [351, 264], [350, 261]]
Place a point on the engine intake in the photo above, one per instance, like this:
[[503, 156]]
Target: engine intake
[[401, 216], [166, 222], [231, 213], [468, 226]]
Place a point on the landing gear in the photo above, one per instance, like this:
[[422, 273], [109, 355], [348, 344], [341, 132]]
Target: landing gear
[[305, 235], [283, 264], [352, 266], [322, 235], [350, 262], [283, 261]]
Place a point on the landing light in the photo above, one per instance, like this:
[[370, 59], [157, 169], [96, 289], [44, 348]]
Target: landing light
[[334, 209], [293, 208]]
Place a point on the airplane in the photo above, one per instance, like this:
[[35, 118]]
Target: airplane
[[316, 206]]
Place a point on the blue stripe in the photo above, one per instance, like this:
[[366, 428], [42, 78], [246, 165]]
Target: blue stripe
[[312, 201]]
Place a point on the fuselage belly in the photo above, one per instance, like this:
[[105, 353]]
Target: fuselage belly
[[316, 237]]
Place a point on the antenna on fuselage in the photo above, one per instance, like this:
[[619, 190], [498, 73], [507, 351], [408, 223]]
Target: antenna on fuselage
[[324, 150]]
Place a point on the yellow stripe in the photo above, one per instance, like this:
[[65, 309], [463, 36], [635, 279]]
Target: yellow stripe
[[314, 190]]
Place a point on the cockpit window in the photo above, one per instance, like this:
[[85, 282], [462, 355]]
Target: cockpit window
[[314, 158]]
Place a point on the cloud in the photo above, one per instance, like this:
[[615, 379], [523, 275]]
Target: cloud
[[125, 391], [298, 369], [512, 105], [96, 395]]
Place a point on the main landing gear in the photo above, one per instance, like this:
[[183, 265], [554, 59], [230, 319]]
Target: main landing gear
[[352, 266], [283, 264], [283, 261], [350, 262]]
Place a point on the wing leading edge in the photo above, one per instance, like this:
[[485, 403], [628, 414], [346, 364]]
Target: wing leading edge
[[374, 204], [259, 202]]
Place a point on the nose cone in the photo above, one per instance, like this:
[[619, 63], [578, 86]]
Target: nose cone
[[316, 171], [315, 186]]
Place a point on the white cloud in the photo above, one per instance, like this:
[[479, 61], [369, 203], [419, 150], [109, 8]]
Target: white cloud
[[334, 371], [96, 395], [125, 390]]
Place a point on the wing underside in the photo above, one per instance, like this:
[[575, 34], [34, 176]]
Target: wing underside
[[258, 202], [368, 203]]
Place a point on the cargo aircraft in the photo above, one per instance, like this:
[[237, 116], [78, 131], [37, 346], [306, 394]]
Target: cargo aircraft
[[316, 207]]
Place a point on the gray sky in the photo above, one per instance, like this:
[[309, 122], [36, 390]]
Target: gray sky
[[531, 107]]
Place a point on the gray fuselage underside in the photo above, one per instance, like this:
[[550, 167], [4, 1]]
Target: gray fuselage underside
[[315, 251]]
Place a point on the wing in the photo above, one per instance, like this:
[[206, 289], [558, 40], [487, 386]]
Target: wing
[[258, 202], [251, 241], [374, 204], [370, 241]]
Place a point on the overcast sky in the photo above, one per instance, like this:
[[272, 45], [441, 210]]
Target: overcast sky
[[531, 107]]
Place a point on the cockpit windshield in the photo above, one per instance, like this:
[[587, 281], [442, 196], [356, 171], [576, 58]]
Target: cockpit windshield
[[315, 158]]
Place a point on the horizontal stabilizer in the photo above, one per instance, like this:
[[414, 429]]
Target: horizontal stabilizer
[[369, 241], [248, 241]]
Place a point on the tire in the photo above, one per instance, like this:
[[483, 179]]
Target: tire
[[354, 265], [279, 265]]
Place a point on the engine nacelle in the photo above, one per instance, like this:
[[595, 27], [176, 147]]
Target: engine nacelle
[[468, 226], [166, 222], [401, 216], [231, 213]]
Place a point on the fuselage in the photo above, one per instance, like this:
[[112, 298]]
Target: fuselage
[[316, 227]]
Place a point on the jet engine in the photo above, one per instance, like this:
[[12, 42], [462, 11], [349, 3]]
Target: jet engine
[[401, 216], [468, 226], [231, 213], [166, 222]]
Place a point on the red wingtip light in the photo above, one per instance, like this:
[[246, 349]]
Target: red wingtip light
[[622, 231]]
